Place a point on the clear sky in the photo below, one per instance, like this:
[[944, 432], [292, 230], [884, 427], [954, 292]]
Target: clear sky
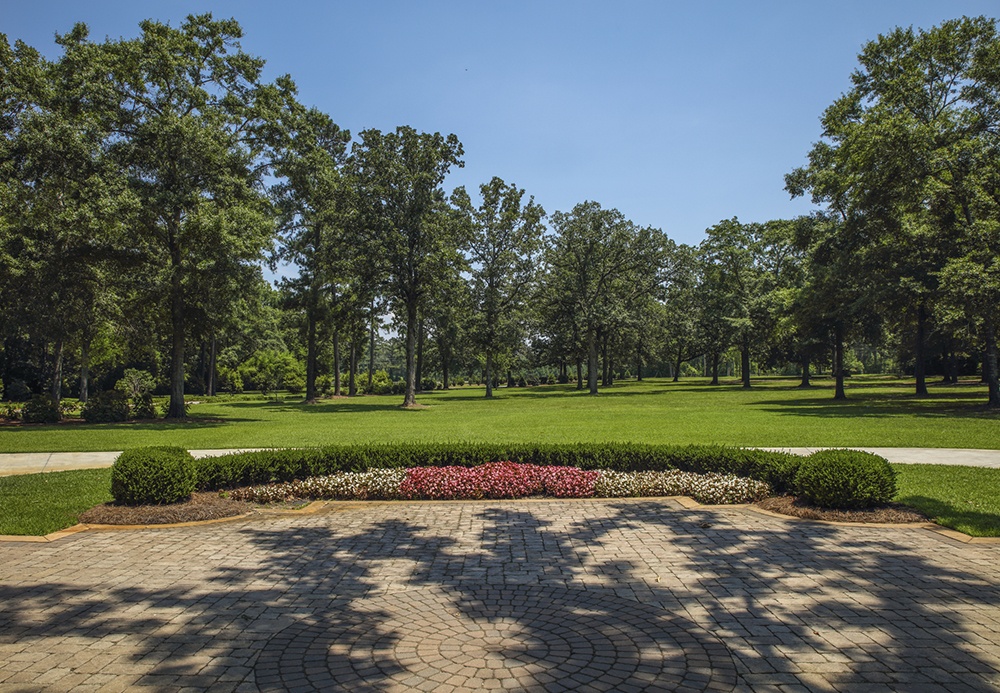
[[679, 114]]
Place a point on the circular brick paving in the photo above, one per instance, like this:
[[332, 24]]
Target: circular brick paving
[[523, 638]]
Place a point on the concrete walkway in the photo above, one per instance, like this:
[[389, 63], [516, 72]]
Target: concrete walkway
[[33, 462], [584, 595]]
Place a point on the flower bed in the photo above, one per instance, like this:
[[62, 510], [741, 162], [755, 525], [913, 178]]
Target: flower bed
[[509, 480]]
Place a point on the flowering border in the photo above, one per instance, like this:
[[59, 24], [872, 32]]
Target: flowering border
[[497, 480]]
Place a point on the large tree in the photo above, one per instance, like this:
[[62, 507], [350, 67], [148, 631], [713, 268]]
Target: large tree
[[314, 202], [908, 161], [600, 267], [399, 176], [504, 243], [193, 130]]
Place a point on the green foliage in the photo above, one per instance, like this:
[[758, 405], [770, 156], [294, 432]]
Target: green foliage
[[845, 479], [153, 476], [142, 407], [135, 383], [41, 409], [106, 407], [18, 391], [260, 467], [428, 384]]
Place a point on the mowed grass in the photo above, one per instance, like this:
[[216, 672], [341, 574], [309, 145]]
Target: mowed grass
[[966, 499], [37, 504], [880, 411]]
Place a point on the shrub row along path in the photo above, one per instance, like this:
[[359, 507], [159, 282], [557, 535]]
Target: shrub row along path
[[33, 462], [545, 595]]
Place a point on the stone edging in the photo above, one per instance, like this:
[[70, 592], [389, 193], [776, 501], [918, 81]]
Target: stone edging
[[685, 502]]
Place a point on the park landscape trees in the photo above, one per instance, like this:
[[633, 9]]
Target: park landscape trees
[[144, 181]]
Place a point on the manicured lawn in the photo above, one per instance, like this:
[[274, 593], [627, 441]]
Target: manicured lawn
[[880, 411], [964, 498], [37, 504]]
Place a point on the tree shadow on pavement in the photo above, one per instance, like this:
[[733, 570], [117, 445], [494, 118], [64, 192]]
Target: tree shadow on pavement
[[641, 588]]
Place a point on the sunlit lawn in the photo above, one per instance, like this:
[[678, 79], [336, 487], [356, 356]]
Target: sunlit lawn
[[880, 411]]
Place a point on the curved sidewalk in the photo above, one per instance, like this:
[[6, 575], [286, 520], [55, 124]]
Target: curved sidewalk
[[34, 462]]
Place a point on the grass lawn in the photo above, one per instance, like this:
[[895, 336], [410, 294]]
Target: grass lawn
[[963, 498], [37, 504], [880, 411]]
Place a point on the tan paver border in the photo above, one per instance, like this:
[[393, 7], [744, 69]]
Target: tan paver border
[[314, 507]]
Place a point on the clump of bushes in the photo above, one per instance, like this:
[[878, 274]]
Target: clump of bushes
[[153, 476], [848, 479], [41, 409], [106, 407]]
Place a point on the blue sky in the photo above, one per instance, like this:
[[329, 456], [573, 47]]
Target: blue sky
[[678, 114]]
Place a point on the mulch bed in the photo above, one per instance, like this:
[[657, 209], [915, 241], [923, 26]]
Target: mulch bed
[[212, 506], [202, 506], [893, 513]]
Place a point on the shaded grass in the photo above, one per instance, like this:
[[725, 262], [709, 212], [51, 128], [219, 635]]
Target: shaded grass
[[880, 411], [966, 499], [37, 504]]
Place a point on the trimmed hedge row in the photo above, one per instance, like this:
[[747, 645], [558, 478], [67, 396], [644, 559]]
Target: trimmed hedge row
[[267, 466]]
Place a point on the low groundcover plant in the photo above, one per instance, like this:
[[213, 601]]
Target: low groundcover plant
[[509, 480]]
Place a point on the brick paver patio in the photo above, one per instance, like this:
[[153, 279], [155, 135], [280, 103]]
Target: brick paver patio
[[597, 595]]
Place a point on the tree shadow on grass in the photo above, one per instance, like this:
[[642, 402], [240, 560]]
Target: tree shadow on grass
[[324, 601], [947, 514], [950, 405]]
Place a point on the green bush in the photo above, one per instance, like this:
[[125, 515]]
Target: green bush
[[153, 476], [847, 479], [142, 407], [428, 384], [261, 467], [41, 409], [106, 407]]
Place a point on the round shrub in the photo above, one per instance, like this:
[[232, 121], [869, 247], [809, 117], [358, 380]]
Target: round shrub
[[847, 479], [41, 409], [153, 476], [106, 407]]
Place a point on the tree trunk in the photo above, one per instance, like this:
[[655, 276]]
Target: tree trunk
[[605, 370], [920, 367], [213, 355], [84, 368], [510, 378], [410, 398], [990, 366], [336, 365], [579, 373], [838, 362], [444, 370], [805, 373], [592, 362], [677, 366], [420, 356], [715, 368], [745, 362], [57, 364], [638, 366], [489, 374], [176, 410], [352, 378], [371, 351], [311, 357]]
